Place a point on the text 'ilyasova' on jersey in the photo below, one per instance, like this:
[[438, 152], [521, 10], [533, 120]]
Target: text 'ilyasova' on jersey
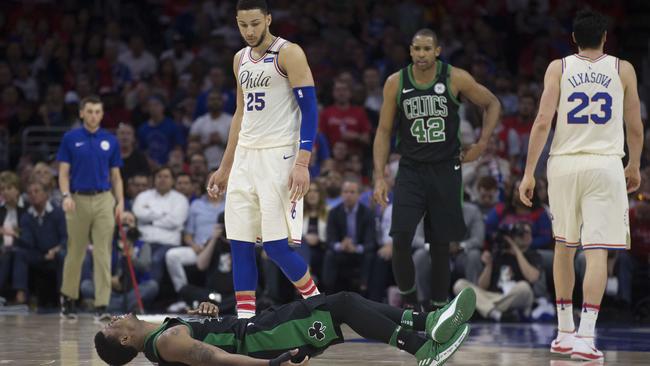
[[271, 114], [590, 110], [427, 122]]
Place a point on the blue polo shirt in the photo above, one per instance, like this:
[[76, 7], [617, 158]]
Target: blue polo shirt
[[91, 157]]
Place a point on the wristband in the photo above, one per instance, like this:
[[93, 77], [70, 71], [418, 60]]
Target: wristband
[[280, 359]]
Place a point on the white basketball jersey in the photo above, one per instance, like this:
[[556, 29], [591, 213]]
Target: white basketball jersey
[[271, 114], [590, 110]]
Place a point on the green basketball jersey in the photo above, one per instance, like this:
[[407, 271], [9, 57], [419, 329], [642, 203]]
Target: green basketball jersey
[[428, 125]]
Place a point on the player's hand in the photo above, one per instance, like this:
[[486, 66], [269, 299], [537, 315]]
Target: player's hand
[[473, 152], [380, 194], [632, 178], [205, 308], [285, 359], [218, 183], [298, 182], [526, 190], [68, 204], [386, 251]]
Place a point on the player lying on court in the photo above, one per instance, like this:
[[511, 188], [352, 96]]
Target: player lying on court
[[288, 334]]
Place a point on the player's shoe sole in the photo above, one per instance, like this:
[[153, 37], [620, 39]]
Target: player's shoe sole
[[442, 324]]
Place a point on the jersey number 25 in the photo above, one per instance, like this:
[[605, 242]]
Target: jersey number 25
[[597, 118]]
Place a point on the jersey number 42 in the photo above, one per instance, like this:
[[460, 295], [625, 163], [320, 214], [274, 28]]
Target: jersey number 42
[[432, 131]]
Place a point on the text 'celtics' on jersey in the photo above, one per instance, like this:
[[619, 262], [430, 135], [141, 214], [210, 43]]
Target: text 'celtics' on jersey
[[428, 124]]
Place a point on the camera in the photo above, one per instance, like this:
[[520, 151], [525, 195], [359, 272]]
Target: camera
[[510, 230]]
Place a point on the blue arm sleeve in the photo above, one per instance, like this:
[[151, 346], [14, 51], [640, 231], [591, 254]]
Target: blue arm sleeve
[[306, 98]]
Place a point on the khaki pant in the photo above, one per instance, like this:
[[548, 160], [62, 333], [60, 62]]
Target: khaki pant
[[93, 221], [520, 297]]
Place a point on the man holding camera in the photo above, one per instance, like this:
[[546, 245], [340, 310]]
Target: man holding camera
[[505, 284]]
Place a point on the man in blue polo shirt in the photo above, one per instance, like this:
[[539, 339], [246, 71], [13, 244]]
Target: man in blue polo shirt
[[89, 167]]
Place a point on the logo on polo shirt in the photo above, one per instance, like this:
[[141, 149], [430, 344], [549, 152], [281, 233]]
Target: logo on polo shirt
[[105, 145]]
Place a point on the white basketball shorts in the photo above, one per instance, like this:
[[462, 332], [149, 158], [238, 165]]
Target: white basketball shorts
[[258, 207], [588, 199]]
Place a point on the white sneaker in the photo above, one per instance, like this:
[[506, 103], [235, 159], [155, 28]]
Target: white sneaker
[[177, 307], [563, 344], [584, 349]]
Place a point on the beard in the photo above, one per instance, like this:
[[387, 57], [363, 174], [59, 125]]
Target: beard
[[259, 41]]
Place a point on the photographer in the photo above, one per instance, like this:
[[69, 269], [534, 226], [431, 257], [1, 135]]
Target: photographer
[[123, 297], [505, 284]]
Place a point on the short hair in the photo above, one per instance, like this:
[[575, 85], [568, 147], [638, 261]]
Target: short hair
[[426, 32], [588, 28], [37, 182], [111, 351], [92, 99], [253, 4], [164, 167], [487, 182], [183, 174], [11, 179]]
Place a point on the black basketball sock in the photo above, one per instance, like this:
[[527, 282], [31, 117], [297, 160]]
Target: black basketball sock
[[408, 340]]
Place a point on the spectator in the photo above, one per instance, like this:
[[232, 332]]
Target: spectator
[[43, 174], [505, 284], [212, 128], [216, 261], [134, 160], [180, 56], [487, 194], [345, 122], [140, 62], [216, 82], [374, 94], [514, 211], [41, 241], [89, 165], [161, 213], [11, 210], [320, 155], [184, 186], [315, 228], [515, 132], [123, 296], [198, 167], [136, 184], [350, 242], [159, 134], [199, 228], [489, 164]]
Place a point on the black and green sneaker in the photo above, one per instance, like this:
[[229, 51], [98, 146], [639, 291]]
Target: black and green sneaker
[[442, 324], [433, 353]]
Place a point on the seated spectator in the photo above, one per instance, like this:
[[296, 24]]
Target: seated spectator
[[135, 162], [180, 56], [135, 185], [41, 242], [350, 242], [183, 185], [198, 167], [11, 210], [198, 230], [141, 63], [509, 273], [488, 164], [320, 155], [514, 211], [344, 122], [160, 134], [213, 128], [314, 229], [43, 173], [176, 161], [161, 213], [487, 194], [123, 298], [216, 261]]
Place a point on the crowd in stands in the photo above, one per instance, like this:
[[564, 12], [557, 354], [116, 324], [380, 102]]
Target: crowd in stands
[[163, 70]]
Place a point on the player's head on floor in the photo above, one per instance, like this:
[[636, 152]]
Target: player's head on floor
[[116, 342], [424, 49], [589, 29], [253, 20]]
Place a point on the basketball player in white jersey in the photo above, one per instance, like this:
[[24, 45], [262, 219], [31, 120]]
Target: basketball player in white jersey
[[594, 95], [264, 168]]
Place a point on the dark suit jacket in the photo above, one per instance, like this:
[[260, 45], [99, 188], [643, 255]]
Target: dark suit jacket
[[3, 214], [337, 228]]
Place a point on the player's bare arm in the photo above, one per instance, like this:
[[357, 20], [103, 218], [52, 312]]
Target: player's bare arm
[[462, 82], [633, 125], [219, 179], [293, 61], [176, 345], [381, 146], [541, 128]]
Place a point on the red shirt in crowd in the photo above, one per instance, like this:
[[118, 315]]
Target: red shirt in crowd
[[336, 122]]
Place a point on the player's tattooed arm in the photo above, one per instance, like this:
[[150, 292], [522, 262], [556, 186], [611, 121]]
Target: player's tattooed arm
[[176, 345]]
